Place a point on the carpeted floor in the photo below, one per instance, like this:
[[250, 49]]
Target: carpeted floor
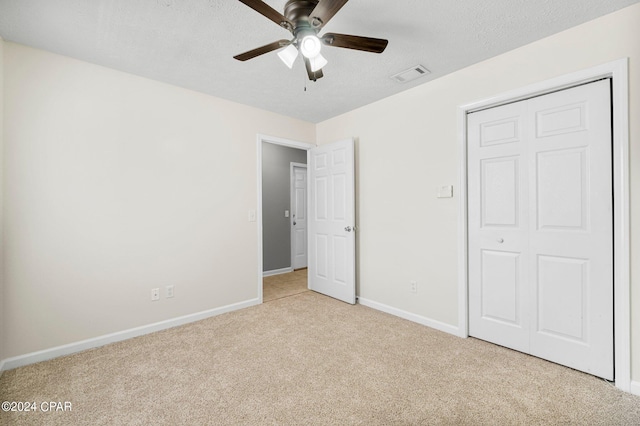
[[307, 359]]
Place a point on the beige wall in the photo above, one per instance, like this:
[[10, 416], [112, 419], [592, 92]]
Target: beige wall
[[116, 184], [408, 147]]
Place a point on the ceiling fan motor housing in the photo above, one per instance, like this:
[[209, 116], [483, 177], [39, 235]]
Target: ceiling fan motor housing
[[298, 11]]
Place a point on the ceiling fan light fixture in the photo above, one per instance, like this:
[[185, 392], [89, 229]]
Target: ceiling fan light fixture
[[288, 55], [317, 62], [310, 46], [304, 19]]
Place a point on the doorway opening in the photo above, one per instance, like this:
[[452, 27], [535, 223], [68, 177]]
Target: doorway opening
[[281, 229], [331, 223], [284, 284]]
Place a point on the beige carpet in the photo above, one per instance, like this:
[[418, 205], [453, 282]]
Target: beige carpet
[[310, 360]]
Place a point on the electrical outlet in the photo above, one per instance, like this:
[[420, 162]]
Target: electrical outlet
[[413, 286], [155, 294], [168, 291]]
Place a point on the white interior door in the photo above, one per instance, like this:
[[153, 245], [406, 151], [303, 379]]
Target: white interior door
[[331, 225], [540, 227], [298, 216]]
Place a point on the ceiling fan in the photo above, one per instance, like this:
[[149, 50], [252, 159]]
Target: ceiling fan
[[304, 19]]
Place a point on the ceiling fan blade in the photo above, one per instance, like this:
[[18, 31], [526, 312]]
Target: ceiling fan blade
[[266, 10], [367, 44], [312, 75], [262, 50], [325, 10]]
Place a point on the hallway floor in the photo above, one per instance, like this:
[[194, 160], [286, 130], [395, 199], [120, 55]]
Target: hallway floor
[[284, 285]]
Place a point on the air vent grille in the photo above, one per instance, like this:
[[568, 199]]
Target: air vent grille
[[410, 74]]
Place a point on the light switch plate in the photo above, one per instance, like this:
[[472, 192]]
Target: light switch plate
[[445, 191], [252, 215], [286, 213]]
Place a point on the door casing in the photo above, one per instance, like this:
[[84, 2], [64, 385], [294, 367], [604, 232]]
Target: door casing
[[618, 72]]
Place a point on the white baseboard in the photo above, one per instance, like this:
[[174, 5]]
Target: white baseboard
[[438, 325], [635, 388], [71, 348], [277, 272]]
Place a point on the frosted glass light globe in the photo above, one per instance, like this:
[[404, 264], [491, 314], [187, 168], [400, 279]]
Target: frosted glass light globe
[[310, 46]]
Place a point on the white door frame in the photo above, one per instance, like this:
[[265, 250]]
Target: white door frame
[[618, 72], [292, 166], [276, 141]]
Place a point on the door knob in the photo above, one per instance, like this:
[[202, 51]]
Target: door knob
[[294, 223], [501, 240], [347, 228]]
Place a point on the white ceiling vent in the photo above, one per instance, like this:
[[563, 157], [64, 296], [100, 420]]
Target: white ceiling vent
[[410, 74]]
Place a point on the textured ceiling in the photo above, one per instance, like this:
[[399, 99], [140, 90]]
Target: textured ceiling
[[191, 43]]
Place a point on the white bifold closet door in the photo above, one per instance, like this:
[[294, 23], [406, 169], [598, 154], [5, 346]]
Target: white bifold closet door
[[541, 227]]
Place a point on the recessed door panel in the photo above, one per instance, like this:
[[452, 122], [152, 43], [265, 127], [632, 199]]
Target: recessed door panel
[[321, 202], [339, 252], [320, 161], [561, 186], [300, 200], [339, 197], [500, 131], [301, 243], [501, 286], [500, 192], [565, 119], [338, 157], [321, 256], [562, 296]]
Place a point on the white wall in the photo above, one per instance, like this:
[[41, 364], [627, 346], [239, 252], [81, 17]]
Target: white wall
[[408, 147], [115, 184]]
